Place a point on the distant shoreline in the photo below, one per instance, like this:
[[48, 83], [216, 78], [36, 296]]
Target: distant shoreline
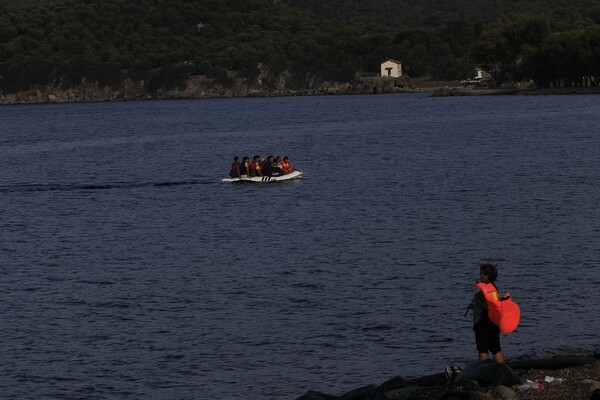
[[443, 92], [91, 93]]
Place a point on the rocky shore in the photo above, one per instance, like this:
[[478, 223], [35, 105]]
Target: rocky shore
[[201, 87], [513, 90], [535, 379], [576, 383]]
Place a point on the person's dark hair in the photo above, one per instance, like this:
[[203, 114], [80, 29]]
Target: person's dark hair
[[489, 269], [244, 159], [236, 158]]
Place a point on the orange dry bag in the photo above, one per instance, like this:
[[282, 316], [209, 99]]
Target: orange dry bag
[[502, 311]]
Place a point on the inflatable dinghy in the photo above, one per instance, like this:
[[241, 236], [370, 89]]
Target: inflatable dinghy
[[292, 175]]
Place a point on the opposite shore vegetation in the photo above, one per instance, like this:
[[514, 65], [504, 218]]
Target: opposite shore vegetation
[[88, 50]]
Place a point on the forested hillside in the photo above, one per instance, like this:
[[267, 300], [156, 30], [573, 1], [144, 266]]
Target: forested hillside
[[26, 3], [436, 13], [163, 42], [409, 13], [268, 44]]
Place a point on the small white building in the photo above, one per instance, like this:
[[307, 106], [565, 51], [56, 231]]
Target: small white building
[[391, 68], [481, 75]]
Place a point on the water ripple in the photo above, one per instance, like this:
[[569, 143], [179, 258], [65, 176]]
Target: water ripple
[[129, 270]]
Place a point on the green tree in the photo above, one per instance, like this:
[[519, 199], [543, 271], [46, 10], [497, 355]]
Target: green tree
[[8, 31], [172, 76], [500, 48]]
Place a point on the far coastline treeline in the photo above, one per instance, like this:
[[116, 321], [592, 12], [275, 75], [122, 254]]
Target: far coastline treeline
[[271, 45]]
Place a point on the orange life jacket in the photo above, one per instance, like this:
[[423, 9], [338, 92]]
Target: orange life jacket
[[502, 311], [286, 167]]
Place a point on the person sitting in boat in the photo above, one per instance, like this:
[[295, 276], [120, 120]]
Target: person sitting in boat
[[266, 167], [244, 166], [277, 166], [254, 168], [286, 166], [234, 172]]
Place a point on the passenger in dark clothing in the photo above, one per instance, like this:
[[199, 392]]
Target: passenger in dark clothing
[[277, 166], [244, 166], [267, 166]]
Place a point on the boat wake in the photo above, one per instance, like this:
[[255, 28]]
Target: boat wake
[[49, 187]]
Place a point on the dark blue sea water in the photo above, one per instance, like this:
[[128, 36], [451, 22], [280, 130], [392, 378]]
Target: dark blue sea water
[[128, 270]]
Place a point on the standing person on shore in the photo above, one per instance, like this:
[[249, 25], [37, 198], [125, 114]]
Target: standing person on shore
[[487, 334]]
